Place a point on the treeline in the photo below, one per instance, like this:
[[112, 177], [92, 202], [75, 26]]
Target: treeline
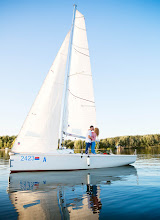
[[138, 141], [7, 141]]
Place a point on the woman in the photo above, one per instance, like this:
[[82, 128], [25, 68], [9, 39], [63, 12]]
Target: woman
[[95, 134]]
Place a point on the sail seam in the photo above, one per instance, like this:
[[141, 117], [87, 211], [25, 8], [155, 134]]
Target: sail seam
[[80, 97], [81, 47], [80, 28], [81, 73], [81, 53]]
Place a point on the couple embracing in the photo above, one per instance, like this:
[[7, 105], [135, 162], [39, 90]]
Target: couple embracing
[[91, 138]]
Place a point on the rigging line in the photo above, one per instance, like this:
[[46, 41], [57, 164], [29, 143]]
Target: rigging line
[[80, 47], [80, 28], [81, 53], [80, 97]]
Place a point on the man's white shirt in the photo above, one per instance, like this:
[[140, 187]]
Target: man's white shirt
[[87, 138]]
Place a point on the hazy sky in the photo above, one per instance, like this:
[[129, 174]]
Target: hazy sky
[[124, 43]]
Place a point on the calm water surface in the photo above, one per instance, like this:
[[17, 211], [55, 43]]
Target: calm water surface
[[127, 192]]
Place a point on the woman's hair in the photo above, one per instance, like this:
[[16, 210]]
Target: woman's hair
[[96, 130]]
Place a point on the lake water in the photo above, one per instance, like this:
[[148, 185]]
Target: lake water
[[129, 192]]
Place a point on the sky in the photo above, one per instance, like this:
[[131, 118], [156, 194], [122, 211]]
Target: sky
[[124, 44]]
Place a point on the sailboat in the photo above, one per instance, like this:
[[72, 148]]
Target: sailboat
[[64, 107]]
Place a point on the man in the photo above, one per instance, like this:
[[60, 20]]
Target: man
[[89, 139]]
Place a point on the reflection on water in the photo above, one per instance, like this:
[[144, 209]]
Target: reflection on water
[[129, 192], [146, 150], [63, 195], [4, 155]]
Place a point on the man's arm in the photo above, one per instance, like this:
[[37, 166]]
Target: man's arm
[[90, 134], [89, 137]]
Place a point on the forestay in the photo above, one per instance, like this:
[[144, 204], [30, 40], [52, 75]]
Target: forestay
[[80, 104], [40, 130]]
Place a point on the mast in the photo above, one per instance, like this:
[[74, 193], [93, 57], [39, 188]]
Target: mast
[[67, 75]]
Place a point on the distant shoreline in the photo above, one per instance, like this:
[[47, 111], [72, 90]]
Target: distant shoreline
[[126, 142]]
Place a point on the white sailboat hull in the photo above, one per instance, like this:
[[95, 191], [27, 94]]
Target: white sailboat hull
[[55, 162]]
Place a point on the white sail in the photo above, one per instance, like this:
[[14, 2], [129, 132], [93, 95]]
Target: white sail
[[80, 108], [40, 130]]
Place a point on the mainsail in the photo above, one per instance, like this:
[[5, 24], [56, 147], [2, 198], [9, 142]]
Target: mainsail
[[40, 131], [80, 110]]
